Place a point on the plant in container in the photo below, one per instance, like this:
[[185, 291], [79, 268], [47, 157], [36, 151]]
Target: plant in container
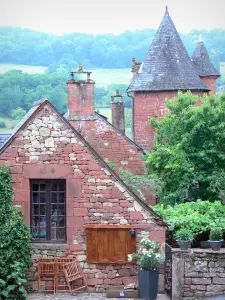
[[216, 238], [148, 257], [184, 237]]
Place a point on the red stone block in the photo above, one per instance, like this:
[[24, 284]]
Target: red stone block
[[93, 166], [16, 170], [116, 193], [50, 171], [22, 196], [125, 203], [158, 235], [115, 209], [73, 187], [80, 212], [75, 247], [74, 221], [95, 281], [129, 279], [134, 215], [84, 156], [17, 186]]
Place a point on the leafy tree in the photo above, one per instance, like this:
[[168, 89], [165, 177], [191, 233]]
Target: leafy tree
[[188, 155], [15, 243], [18, 113]]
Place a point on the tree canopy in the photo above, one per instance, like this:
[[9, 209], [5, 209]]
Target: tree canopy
[[188, 155], [29, 47]]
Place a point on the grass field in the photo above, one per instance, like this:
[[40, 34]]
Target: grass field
[[28, 69], [9, 125], [102, 77]]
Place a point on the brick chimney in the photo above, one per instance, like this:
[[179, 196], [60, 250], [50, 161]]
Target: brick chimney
[[118, 111], [80, 95]]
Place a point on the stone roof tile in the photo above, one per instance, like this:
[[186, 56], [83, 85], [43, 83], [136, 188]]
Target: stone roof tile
[[167, 65], [202, 62]]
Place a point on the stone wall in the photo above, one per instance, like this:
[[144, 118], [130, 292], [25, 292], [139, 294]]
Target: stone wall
[[198, 273], [48, 148], [145, 105]]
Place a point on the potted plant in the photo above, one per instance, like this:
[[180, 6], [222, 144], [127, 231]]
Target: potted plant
[[148, 257], [184, 237], [215, 238]]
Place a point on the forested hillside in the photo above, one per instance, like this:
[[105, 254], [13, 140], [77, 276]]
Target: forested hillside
[[61, 54], [24, 46]]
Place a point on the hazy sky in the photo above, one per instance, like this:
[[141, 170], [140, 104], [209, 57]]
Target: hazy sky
[[105, 16]]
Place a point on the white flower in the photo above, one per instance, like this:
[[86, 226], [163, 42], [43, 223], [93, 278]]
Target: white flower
[[130, 257]]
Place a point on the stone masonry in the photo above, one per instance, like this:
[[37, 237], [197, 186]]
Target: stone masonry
[[47, 147], [198, 273]]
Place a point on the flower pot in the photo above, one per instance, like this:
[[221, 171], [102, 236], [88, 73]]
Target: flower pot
[[184, 245], [148, 284], [215, 245]]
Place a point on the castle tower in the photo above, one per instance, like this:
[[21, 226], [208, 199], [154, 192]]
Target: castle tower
[[204, 67], [166, 69]]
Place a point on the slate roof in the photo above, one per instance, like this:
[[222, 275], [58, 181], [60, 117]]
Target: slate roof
[[3, 138], [202, 62], [167, 65]]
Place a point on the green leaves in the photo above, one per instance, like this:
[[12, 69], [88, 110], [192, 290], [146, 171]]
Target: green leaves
[[198, 217], [15, 243], [188, 157]]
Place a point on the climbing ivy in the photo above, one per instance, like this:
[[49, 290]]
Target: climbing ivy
[[15, 243]]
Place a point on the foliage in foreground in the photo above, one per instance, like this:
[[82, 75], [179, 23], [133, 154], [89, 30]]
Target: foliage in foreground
[[198, 217], [15, 243], [188, 155], [149, 255]]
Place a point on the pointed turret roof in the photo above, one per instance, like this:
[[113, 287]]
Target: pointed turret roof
[[167, 65], [202, 62]]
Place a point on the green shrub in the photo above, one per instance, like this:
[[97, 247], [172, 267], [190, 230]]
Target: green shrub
[[15, 243], [216, 234], [184, 235], [198, 216], [2, 124]]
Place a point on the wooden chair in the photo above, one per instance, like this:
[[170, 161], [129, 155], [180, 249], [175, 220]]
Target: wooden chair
[[47, 269], [61, 284], [73, 272]]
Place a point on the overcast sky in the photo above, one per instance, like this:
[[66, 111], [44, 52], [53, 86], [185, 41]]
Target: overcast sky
[[110, 16]]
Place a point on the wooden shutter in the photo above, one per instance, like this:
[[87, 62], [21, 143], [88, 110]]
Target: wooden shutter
[[109, 245]]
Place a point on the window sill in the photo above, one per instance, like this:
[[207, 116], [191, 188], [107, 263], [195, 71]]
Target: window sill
[[49, 246]]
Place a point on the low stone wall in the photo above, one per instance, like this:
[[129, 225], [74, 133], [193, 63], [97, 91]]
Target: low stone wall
[[100, 276], [197, 273]]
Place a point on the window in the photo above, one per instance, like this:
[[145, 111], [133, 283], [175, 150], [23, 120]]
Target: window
[[109, 244], [48, 210]]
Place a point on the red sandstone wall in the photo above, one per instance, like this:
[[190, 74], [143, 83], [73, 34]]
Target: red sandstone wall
[[210, 82], [145, 105], [111, 145], [47, 148]]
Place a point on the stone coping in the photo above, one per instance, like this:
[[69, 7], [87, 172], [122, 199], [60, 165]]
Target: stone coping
[[49, 246], [198, 250]]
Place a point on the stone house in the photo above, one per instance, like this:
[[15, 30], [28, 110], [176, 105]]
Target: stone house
[[72, 200]]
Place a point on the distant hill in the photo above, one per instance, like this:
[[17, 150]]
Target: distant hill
[[29, 47]]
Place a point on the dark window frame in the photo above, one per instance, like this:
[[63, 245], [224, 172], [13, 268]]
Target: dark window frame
[[48, 192]]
